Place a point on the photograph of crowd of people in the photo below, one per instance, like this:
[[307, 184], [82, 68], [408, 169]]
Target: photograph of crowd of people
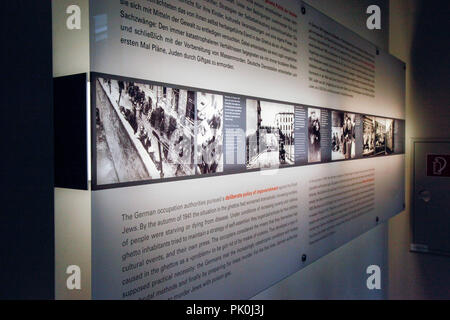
[[270, 134], [343, 135], [209, 133], [368, 136], [314, 151], [143, 131]]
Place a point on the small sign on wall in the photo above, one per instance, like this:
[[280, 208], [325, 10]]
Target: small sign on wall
[[438, 165]]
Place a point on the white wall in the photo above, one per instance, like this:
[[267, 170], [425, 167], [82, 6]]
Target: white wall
[[72, 241], [70, 47], [72, 207]]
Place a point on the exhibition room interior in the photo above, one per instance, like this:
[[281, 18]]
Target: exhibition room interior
[[225, 151]]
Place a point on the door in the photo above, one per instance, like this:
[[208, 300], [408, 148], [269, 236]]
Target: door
[[431, 196]]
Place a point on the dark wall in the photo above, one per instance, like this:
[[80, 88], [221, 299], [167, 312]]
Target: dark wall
[[71, 159], [419, 36], [430, 66], [26, 169]]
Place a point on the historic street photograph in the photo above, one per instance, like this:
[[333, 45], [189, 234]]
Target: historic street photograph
[[389, 136], [380, 136], [270, 134], [209, 133], [143, 131], [368, 136]]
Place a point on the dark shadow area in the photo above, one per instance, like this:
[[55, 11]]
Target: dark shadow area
[[26, 167], [431, 83], [431, 64], [70, 110]]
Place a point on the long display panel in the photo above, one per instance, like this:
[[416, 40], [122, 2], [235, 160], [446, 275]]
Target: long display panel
[[234, 143], [147, 132]]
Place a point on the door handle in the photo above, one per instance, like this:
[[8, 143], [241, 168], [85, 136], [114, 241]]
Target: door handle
[[425, 195]]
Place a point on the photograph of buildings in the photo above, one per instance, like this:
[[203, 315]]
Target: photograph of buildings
[[343, 135], [380, 136], [368, 136], [270, 134], [143, 131], [389, 136], [209, 133], [314, 151]]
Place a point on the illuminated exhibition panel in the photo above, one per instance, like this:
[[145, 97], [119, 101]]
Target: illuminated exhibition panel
[[233, 143]]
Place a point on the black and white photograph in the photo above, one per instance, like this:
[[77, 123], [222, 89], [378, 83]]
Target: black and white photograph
[[368, 136], [143, 131], [389, 136], [270, 134], [343, 136], [314, 151], [209, 133], [380, 136]]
